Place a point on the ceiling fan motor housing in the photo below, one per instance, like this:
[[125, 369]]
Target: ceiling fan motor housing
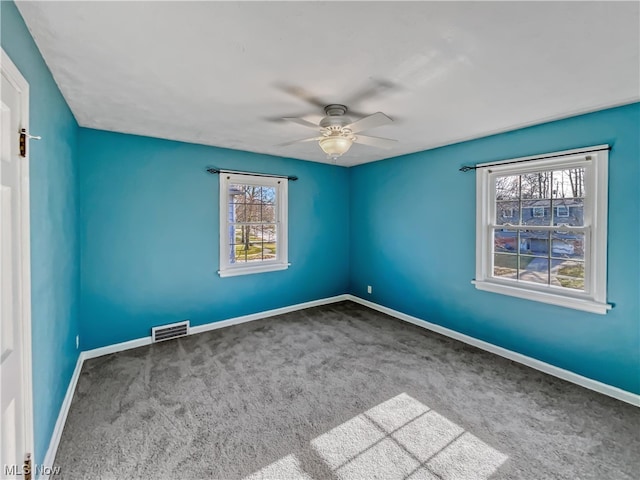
[[335, 109], [335, 116]]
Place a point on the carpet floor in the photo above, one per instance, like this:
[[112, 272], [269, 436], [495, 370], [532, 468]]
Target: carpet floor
[[337, 392]]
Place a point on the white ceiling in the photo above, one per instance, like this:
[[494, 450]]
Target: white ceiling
[[217, 73]]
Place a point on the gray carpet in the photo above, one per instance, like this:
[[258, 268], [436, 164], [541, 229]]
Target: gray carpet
[[337, 392]]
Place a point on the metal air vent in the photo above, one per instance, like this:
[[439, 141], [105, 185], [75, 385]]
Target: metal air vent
[[167, 332]]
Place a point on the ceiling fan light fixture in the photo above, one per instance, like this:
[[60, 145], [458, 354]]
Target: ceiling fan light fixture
[[335, 146]]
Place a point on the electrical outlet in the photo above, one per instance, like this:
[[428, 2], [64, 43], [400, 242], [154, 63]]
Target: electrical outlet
[[369, 289], [77, 341]]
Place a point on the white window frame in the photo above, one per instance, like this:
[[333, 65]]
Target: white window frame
[[537, 212], [509, 214], [228, 269], [594, 298], [565, 209]]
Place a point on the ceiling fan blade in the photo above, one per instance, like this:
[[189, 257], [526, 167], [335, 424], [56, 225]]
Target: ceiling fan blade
[[385, 143], [378, 87], [298, 141], [372, 121], [302, 121], [302, 94]]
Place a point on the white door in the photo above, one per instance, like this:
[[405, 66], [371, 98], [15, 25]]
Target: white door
[[15, 334]]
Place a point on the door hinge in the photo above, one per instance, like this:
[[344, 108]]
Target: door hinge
[[23, 141], [26, 471]]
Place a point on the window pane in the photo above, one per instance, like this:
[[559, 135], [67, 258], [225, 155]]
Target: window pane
[[240, 254], [536, 212], [236, 192], [505, 241], [534, 242], [534, 269], [236, 235], [253, 243], [568, 183], [269, 233], [568, 274], [239, 192], [237, 212], [269, 245], [536, 185], [242, 243], [248, 244], [507, 212], [269, 250], [569, 211], [253, 211], [505, 266], [567, 245], [508, 187], [268, 213], [268, 195]]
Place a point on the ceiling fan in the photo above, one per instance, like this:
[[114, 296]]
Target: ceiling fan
[[337, 132]]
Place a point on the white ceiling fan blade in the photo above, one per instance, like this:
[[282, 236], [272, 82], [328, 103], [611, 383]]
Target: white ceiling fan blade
[[385, 143], [298, 141], [372, 121], [302, 121]]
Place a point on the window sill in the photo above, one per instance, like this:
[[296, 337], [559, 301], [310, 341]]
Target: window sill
[[235, 271], [583, 304]]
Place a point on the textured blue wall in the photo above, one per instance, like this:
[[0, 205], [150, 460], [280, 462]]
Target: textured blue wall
[[417, 214], [54, 230], [150, 241]]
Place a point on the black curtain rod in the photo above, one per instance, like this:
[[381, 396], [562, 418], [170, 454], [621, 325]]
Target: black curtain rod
[[215, 171], [466, 168]]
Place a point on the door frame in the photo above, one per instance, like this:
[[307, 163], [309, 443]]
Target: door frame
[[13, 75]]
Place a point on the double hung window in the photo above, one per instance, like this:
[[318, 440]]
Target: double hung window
[[253, 224], [552, 248]]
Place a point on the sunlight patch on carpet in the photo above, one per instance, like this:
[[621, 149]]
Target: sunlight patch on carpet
[[398, 439]]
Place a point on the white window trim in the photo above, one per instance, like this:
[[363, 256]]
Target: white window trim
[[537, 209], [227, 269], [504, 213], [566, 209], [594, 299]]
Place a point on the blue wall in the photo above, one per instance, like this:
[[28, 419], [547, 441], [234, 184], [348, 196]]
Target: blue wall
[[54, 229], [150, 241], [417, 214]]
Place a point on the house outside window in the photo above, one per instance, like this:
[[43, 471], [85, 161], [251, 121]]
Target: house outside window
[[553, 249], [253, 224]]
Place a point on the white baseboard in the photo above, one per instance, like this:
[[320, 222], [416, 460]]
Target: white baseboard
[[268, 313], [117, 347], [50, 456], [140, 342], [615, 392]]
